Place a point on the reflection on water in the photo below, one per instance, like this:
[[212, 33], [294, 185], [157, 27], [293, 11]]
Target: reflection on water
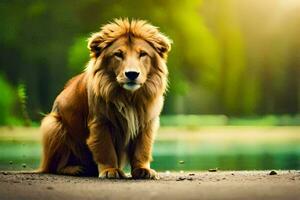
[[14, 154], [240, 157], [200, 151]]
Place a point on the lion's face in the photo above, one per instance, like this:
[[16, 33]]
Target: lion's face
[[128, 55], [129, 61]]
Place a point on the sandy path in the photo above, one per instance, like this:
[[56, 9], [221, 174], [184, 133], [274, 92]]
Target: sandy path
[[198, 185]]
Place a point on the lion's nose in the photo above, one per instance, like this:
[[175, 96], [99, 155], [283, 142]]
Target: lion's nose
[[132, 75]]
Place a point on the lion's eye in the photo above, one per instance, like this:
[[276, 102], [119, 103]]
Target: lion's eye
[[143, 53], [119, 54]]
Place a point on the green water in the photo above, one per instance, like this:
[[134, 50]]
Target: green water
[[167, 156], [194, 155]]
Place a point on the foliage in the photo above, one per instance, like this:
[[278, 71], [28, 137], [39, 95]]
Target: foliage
[[78, 55], [22, 97], [229, 57], [6, 100]]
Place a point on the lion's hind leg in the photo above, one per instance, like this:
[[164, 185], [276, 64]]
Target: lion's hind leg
[[61, 153], [71, 170], [56, 153]]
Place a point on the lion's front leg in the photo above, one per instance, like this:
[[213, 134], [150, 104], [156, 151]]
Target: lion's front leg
[[142, 153], [101, 145]]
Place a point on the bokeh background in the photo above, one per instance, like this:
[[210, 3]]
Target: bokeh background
[[234, 97]]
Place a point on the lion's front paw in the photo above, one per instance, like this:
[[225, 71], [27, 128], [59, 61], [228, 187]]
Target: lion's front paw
[[144, 173], [112, 173]]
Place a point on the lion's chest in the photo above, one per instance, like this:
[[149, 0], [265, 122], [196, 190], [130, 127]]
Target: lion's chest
[[129, 119]]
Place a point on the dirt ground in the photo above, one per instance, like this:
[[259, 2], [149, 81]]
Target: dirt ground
[[187, 185]]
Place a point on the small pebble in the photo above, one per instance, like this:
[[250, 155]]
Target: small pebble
[[181, 162], [181, 171], [191, 174], [213, 170], [16, 181], [24, 165], [4, 173], [189, 178], [273, 172], [180, 179], [167, 172], [50, 188], [10, 162]]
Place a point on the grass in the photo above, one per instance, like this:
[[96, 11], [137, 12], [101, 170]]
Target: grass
[[223, 120], [205, 120]]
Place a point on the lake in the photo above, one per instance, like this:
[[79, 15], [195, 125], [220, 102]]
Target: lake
[[184, 148]]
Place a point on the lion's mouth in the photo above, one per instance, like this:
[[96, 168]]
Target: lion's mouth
[[131, 86]]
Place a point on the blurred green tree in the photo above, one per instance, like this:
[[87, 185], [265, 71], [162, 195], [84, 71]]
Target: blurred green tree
[[228, 57], [6, 101]]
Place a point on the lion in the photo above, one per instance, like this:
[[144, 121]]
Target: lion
[[108, 115]]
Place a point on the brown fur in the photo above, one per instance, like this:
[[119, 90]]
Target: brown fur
[[96, 125]]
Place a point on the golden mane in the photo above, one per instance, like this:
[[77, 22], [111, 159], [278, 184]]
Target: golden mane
[[100, 82], [136, 28]]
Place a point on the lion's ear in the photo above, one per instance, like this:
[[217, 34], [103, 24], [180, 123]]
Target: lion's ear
[[162, 44], [96, 44]]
